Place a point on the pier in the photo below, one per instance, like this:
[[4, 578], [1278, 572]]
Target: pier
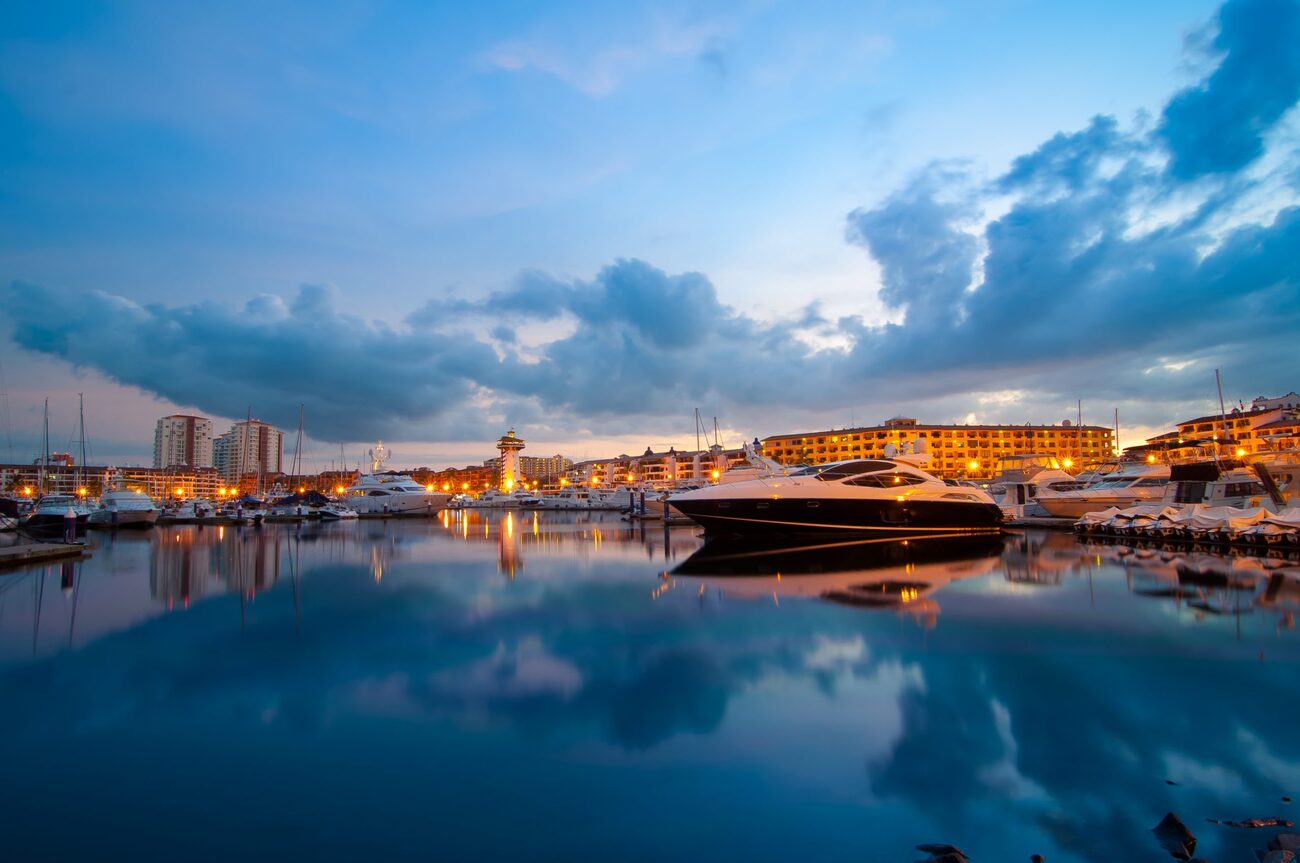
[[36, 552]]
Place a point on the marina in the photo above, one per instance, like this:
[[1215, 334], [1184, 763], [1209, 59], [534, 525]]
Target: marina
[[577, 669]]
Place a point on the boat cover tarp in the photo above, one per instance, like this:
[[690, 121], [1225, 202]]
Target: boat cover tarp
[[1099, 517], [1227, 518]]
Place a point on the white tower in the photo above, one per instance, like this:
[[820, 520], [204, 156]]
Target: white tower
[[509, 446]]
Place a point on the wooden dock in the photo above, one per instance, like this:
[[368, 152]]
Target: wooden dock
[[35, 552]]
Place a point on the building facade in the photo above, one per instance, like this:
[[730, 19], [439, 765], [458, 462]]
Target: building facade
[[251, 447], [1234, 434], [181, 440], [956, 451]]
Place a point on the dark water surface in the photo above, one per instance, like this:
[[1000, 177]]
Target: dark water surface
[[565, 687]]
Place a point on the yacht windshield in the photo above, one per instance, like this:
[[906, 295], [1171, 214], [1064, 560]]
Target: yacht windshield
[[832, 472]]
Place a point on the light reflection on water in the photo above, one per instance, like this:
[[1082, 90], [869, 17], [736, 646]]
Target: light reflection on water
[[531, 685]]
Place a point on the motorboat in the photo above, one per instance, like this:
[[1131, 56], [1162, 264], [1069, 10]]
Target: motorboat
[[572, 497], [50, 514], [877, 497], [336, 512], [1018, 479], [393, 494], [122, 507], [191, 511], [1133, 485]]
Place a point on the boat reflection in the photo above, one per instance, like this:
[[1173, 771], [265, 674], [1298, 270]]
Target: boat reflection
[[517, 534], [901, 575], [1208, 583]]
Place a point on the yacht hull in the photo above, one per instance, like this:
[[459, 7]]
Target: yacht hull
[[139, 519], [811, 516], [47, 524]]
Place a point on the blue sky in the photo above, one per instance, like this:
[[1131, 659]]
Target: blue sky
[[429, 221]]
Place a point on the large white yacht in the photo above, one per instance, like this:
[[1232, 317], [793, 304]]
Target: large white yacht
[[122, 507], [871, 497], [396, 494], [387, 493], [1132, 485]]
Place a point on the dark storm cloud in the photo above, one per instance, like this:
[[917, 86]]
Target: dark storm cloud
[[1124, 264], [1219, 125]]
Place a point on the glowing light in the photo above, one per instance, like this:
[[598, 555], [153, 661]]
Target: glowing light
[[716, 474], [81, 492], [338, 489], [429, 487], [446, 486], [464, 486], [563, 481], [631, 477], [180, 492], [973, 465], [509, 484], [1241, 451], [1069, 463], [27, 492], [301, 489], [1151, 459]]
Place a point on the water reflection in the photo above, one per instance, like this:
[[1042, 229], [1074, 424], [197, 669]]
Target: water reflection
[[388, 689], [901, 575]]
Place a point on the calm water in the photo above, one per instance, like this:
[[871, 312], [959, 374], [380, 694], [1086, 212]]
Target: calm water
[[570, 687]]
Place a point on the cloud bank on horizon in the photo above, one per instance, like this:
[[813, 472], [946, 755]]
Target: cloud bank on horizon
[[1120, 262]]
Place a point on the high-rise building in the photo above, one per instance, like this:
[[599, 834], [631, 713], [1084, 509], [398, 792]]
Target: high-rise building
[[249, 447], [181, 440]]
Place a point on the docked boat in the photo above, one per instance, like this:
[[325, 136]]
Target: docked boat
[[336, 512], [875, 497], [123, 508], [393, 494], [191, 511], [50, 513], [1020, 477], [1130, 486], [9, 513]]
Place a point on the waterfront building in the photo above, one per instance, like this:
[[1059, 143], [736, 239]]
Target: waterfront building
[[251, 447], [182, 440], [1289, 401], [509, 446], [658, 469], [1236, 433], [90, 481], [956, 451]]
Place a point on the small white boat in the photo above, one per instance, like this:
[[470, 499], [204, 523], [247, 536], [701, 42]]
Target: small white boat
[[336, 512]]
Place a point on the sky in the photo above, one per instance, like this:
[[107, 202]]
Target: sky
[[430, 222]]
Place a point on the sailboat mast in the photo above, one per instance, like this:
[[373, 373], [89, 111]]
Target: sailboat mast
[[81, 411], [1223, 413], [45, 453]]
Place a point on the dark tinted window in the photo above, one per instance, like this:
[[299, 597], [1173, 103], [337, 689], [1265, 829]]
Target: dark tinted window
[[852, 468], [886, 480]]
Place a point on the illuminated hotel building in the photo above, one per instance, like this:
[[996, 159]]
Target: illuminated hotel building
[[956, 451], [1270, 425], [251, 447]]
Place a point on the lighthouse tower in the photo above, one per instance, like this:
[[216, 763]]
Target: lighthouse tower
[[509, 446]]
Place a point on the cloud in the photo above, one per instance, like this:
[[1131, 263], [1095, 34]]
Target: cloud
[[1118, 263], [1220, 124]]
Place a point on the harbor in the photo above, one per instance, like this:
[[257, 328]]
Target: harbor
[[550, 433], [575, 668]]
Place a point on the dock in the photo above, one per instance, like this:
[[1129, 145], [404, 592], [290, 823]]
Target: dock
[[1046, 521], [35, 552]]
